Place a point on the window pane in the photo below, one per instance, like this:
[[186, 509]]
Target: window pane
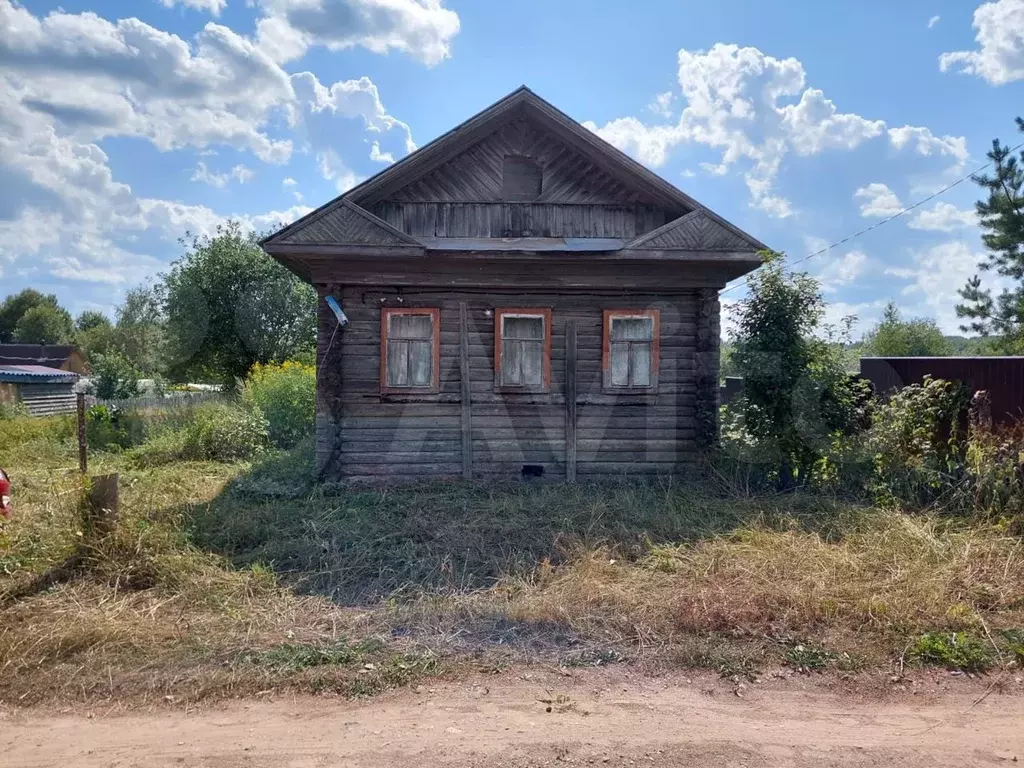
[[620, 364], [411, 326], [512, 363], [533, 363], [640, 364], [398, 363], [632, 328], [420, 363], [522, 327]]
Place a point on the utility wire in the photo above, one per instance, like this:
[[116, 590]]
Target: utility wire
[[877, 224]]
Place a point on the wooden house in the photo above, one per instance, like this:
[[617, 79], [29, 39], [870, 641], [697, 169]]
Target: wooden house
[[519, 299]]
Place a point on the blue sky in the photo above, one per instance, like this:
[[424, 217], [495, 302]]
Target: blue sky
[[125, 124]]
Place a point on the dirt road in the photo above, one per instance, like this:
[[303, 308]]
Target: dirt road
[[595, 719]]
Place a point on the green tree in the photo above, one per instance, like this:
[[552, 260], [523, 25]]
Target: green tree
[[116, 377], [1002, 219], [15, 306], [896, 337], [139, 334], [797, 394], [229, 305], [91, 320], [94, 334], [45, 324]]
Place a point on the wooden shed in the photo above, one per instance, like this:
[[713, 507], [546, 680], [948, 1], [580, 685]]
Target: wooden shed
[[519, 299]]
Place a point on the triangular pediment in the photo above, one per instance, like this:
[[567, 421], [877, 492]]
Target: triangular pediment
[[344, 222], [457, 186], [696, 231], [476, 175]]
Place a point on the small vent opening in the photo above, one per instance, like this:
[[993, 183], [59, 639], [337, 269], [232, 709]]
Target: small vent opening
[[521, 179], [532, 471]]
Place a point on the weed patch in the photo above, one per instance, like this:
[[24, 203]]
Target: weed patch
[[954, 650]]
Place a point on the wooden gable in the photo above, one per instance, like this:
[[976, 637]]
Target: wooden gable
[[519, 175], [477, 175], [696, 231], [346, 223]]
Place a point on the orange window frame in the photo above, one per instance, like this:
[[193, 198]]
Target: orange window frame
[[499, 314], [435, 372], [606, 348]]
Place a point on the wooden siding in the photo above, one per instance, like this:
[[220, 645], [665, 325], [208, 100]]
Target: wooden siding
[[346, 223], [696, 231], [475, 175], [363, 435], [445, 219]]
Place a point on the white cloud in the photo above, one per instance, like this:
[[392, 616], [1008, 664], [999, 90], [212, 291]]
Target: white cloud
[[841, 269], [933, 21], [648, 144], [757, 110], [999, 31], [211, 6], [351, 99], [925, 143], [239, 173], [380, 157], [333, 168], [69, 81], [422, 28], [97, 79], [936, 274], [879, 201], [662, 104], [943, 217]]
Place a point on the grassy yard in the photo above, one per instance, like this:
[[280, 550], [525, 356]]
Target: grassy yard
[[235, 579]]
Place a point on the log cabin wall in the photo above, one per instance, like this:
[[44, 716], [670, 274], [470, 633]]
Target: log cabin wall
[[365, 436]]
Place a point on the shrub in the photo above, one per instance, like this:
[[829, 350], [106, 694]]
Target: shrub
[[117, 377], [111, 428], [286, 396], [918, 442], [216, 432], [11, 411]]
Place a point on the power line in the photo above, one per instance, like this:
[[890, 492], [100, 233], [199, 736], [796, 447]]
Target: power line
[[877, 224]]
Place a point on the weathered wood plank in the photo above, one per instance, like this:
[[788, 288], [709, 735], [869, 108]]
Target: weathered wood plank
[[467, 408], [570, 401]]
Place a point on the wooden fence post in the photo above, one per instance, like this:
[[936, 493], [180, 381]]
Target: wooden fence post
[[104, 505], [83, 449]]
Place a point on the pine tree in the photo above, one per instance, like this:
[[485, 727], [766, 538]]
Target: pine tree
[[1002, 218]]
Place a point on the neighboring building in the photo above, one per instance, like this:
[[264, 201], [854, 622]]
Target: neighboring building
[[62, 357], [522, 300], [42, 390]]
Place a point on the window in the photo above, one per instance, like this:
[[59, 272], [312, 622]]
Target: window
[[410, 347], [521, 179], [522, 349], [630, 350]]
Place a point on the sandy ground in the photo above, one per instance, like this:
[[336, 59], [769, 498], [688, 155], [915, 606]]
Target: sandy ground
[[595, 718]]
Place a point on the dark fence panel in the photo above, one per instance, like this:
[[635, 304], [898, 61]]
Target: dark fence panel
[[1001, 377]]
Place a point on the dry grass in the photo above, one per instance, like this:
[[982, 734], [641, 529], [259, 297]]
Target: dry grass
[[151, 618], [196, 594]]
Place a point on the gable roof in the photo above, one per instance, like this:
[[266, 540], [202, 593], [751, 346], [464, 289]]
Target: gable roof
[[520, 103], [50, 355]]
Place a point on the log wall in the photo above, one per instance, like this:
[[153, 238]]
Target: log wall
[[363, 435]]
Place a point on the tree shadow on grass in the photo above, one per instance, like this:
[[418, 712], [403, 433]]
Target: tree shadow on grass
[[358, 545]]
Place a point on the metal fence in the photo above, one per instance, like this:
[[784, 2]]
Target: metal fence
[[1001, 377]]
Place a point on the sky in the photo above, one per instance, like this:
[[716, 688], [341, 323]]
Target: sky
[[125, 124]]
